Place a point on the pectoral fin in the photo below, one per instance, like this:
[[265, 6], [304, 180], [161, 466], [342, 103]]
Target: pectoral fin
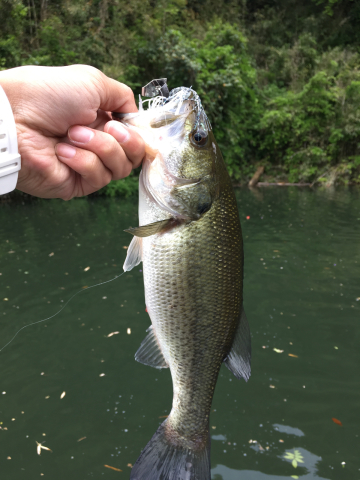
[[150, 352], [134, 254], [151, 228], [239, 359]]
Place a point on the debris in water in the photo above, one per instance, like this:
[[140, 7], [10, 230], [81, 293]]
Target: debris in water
[[113, 333], [292, 355], [40, 447], [277, 350], [50, 254], [113, 468], [80, 439], [86, 269], [335, 420], [63, 395], [128, 331]]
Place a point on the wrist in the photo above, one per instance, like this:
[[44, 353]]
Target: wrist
[[9, 157]]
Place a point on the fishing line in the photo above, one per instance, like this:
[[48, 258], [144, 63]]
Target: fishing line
[[61, 309]]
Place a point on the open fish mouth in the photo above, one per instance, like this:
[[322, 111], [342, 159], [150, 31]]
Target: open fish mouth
[[165, 105]]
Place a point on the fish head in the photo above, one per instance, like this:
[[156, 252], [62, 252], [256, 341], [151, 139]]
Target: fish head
[[180, 170]]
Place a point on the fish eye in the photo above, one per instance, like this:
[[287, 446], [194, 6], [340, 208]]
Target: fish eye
[[199, 138]]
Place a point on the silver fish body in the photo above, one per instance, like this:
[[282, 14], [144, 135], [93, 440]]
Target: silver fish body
[[192, 258]]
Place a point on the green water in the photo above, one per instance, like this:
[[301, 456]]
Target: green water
[[302, 261]]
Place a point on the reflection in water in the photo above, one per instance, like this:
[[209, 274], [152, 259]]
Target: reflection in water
[[306, 472], [288, 430]]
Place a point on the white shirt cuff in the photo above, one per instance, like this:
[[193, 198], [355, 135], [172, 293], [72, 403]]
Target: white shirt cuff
[[10, 160]]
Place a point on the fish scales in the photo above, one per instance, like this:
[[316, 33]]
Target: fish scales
[[190, 243], [193, 285]]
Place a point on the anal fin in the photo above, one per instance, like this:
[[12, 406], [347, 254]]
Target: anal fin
[[239, 359], [150, 353], [134, 254]]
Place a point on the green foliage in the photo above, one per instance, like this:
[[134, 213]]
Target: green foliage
[[316, 128], [121, 188], [295, 457], [280, 80], [218, 67]]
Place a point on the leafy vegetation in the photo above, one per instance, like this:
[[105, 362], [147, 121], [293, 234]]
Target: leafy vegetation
[[279, 79]]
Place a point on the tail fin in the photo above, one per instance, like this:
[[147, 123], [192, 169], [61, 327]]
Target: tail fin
[[163, 460]]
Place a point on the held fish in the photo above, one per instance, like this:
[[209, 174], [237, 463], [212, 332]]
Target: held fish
[[190, 243]]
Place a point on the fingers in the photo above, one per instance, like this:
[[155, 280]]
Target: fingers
[[101, 156], [87, 164], [131, 142]]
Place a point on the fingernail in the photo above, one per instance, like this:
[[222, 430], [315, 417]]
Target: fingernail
[[119, 132], [65, 150], [80, 134]]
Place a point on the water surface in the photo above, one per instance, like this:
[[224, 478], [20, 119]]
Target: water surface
[[302, 289]]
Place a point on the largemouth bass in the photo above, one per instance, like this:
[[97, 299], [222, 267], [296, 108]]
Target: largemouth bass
[[190, 243]]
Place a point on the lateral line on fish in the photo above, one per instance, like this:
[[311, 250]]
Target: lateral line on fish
[[61, 309]]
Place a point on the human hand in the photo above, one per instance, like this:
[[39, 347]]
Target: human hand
[[68, 143]]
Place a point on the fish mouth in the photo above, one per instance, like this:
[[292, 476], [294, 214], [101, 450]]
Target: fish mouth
[[181, 101], [188, 94]]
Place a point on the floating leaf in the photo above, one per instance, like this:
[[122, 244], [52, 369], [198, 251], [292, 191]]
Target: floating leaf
[[294, 476], [113, 468], [292, 355], [295, 457], [82, 438], [277, 350], [335, 420]]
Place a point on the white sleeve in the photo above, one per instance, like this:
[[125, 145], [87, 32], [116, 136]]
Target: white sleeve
[[10, 160]]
